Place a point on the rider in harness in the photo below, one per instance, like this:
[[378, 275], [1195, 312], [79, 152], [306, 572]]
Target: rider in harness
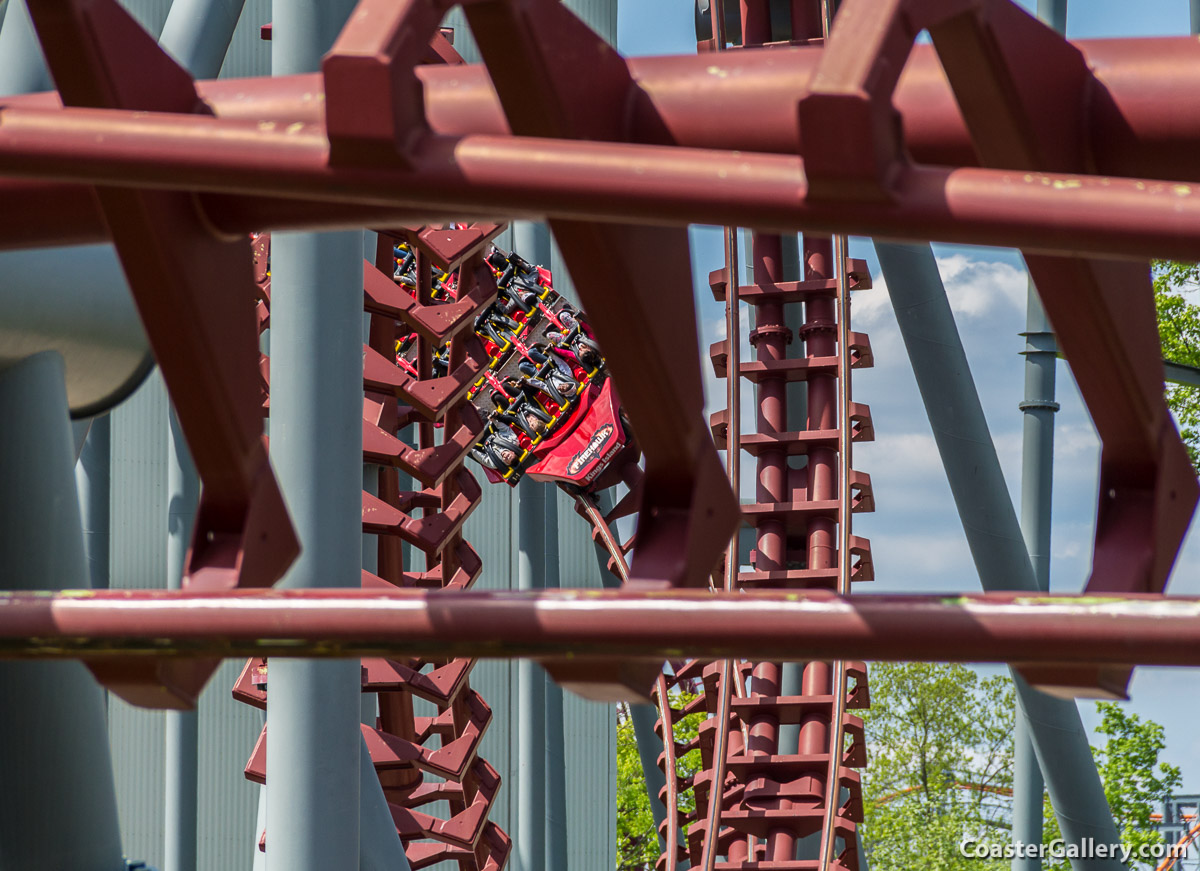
[[579, 343], [499, 449], [559, 382]]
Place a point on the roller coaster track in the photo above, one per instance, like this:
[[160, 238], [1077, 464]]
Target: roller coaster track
[[754, 802], [1180, 848], [424, 496]]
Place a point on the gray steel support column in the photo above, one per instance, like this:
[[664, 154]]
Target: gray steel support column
[[197, 33], [92, 478], [58, 805], [381, 849], [314, 763], [1037, 485], [79, 433], [529, 839], [1037, 468], [22, 67], [87, 283], [182, 727], [369, 702], [1054, 13], [556, 757], [993, 533]]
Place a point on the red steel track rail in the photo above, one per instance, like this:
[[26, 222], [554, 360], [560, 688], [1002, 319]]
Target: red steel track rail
[[756, 800], [420, 760]]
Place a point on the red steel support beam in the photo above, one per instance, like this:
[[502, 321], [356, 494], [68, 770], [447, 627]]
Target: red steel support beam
[[487, 177], [687, 509], [1141, 119], [195, 294], [809, 625], [1013, 78]]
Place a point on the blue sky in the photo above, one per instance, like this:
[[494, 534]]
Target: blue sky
[[917, 540]]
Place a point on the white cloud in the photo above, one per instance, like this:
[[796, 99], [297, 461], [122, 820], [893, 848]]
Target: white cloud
[[976, 289]]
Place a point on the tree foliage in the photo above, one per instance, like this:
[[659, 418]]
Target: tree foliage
[[939, 744], [1135, 782], [637, 840], [637, 843], [1176, 294], [940, 756]]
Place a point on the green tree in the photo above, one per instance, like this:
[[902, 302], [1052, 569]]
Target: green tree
[[940, 748], [637, 840], [939, 741], [637, 843], [1176, 286], [1135, 782]]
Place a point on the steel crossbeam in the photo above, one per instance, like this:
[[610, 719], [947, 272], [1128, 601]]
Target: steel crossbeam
[[1143, 629]]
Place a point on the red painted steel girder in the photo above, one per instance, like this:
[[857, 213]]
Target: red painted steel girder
[[810, 625], [1103, 312], [1141, 117], [1045, 212], [195, 292], [687, 510], [1051, 213]]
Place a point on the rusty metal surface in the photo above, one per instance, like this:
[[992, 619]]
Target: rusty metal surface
[[1127, 131], [1103, 312]]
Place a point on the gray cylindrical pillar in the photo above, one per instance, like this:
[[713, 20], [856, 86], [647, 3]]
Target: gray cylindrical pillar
[[92, 478], [58, 806], [993, 533], [529, 840], [80, 428], [369, 702], [22, 66], [1037, 480], [956, 415], [182, 727], [381, 848], [1054, 13], [556, 757], [197, 33], [314, 752]]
